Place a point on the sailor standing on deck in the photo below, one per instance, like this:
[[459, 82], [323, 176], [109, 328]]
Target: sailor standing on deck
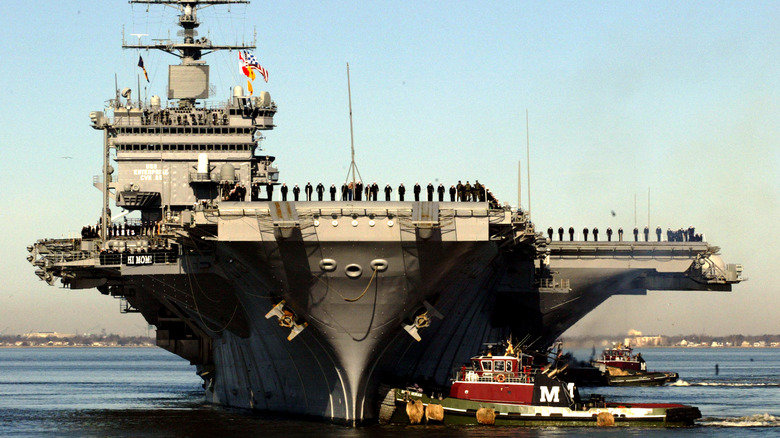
[[585, 233], [620, 234], [358, 190], [374, 191], [388, 191], [270, 190], [417, 191], [401, 192], [609, 234], [320, 191], [560, 234], [441, 191], [453, 192], [571, 234], [333, 192], [429, 189], [296, 192], [308, 189], [284, 191]]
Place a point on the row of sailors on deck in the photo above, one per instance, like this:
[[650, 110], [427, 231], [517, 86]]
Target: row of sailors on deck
[[355, 191], [681, 235], [115, 230], [164, 117]]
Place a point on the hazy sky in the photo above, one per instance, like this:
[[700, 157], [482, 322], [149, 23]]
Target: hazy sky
[[681, 98]]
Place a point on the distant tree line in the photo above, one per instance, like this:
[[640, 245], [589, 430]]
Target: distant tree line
[[737, 340], [76, 340]]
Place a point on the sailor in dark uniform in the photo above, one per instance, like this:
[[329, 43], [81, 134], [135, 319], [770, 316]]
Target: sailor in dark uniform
[[550, 233], [647, 234], [440, 190], [270, 190], [595, 234], [609, 234], [658, 233], [571, 234], [284, 191], [344, 191], [417, 191], [296, 192], [333, 192], [374, 191], [308, 190], [620, 234], [358, 190], [585, 233], [388, 191], [401, 192], [560, 234], [636, 234], [453, 192], [320, 191], [368, 192], [430, 191]]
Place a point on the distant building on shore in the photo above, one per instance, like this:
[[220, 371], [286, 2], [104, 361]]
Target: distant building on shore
[[40, 335], [647, 341]]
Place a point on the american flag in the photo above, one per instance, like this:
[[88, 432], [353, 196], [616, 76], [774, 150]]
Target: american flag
[[251, 62]]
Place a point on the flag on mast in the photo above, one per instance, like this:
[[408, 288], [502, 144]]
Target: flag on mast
[[141, 64], [252, 64], [245, 69]]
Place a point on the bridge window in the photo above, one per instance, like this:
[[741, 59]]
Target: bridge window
[[487, 365]]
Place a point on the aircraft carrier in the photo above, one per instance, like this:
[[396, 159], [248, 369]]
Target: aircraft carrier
[[309, 307]]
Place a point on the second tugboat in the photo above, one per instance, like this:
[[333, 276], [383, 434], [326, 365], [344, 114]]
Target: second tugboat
[[508, 390], [621, 368]]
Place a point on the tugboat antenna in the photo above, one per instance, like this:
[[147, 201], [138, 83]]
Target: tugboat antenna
[[352, 166]]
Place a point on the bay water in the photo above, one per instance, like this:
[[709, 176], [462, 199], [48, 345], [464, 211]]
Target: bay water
[[148, 392]]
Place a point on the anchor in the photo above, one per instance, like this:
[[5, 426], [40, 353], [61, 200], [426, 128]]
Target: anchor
[[286, 319]]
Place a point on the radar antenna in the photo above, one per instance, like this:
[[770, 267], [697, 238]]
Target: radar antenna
[[352, 166]]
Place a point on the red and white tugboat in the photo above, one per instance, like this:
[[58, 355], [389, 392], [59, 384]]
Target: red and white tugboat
[[508, 390], [622, 368]]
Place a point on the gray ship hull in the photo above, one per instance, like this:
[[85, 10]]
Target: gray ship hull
[[307, 308]]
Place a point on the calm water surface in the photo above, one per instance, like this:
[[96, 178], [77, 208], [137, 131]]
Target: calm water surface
[[148, 392]]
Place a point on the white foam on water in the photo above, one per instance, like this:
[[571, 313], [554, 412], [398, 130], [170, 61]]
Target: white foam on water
[[757, 420]]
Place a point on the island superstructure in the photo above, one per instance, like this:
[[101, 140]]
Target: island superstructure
[[309, 307]]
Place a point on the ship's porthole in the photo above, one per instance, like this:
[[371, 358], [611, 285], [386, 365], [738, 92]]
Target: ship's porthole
[[379, 264], [371, 223], [316, 223], [390, 223], [353, 270], [335, 223], [354, 223], [328, 265]]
